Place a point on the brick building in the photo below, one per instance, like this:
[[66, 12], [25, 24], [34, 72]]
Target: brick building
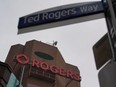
[[37, 64]]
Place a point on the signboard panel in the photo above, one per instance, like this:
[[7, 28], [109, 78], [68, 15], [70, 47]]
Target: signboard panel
[[102, 51], [107, 75], [61, 13]]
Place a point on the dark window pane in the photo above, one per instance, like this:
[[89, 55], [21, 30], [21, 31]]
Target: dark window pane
[[44, 55]]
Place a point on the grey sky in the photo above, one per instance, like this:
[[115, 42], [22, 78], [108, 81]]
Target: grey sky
[[74, 41]]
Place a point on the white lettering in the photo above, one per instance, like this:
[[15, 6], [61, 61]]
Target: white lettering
[[51, 15], [36, 18], [58, 14], [25, 20], [83, 9], [88, 8], [95, 7], [30, 20], [45, 16], [64, 13], [73, 11]]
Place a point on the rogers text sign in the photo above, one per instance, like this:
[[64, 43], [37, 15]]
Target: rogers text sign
[[23, 59]]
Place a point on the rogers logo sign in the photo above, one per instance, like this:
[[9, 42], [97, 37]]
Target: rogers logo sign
[[23, 59]]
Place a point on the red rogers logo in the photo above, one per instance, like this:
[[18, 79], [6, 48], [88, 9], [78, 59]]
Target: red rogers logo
[[23, 59]]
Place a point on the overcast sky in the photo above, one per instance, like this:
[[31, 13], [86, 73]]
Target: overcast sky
[[74, 41]]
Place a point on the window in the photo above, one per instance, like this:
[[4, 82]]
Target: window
[[44, 55]]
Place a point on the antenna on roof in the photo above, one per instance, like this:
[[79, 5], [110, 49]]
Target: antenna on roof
[[54, 43]]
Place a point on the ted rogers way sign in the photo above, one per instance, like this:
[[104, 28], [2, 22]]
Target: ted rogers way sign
[[59, 16]]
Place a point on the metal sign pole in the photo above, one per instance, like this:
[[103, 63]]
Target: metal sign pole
[[22, 73], [112, 14], [111, 23]]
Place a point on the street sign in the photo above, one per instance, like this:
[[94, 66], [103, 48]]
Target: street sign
[[102, 51], [107, 75], [60, 16]]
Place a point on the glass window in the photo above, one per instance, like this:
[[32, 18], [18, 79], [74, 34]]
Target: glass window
[[44, 55]]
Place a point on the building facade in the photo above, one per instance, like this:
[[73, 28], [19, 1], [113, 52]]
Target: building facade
[[7, 78], [37, 64]]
